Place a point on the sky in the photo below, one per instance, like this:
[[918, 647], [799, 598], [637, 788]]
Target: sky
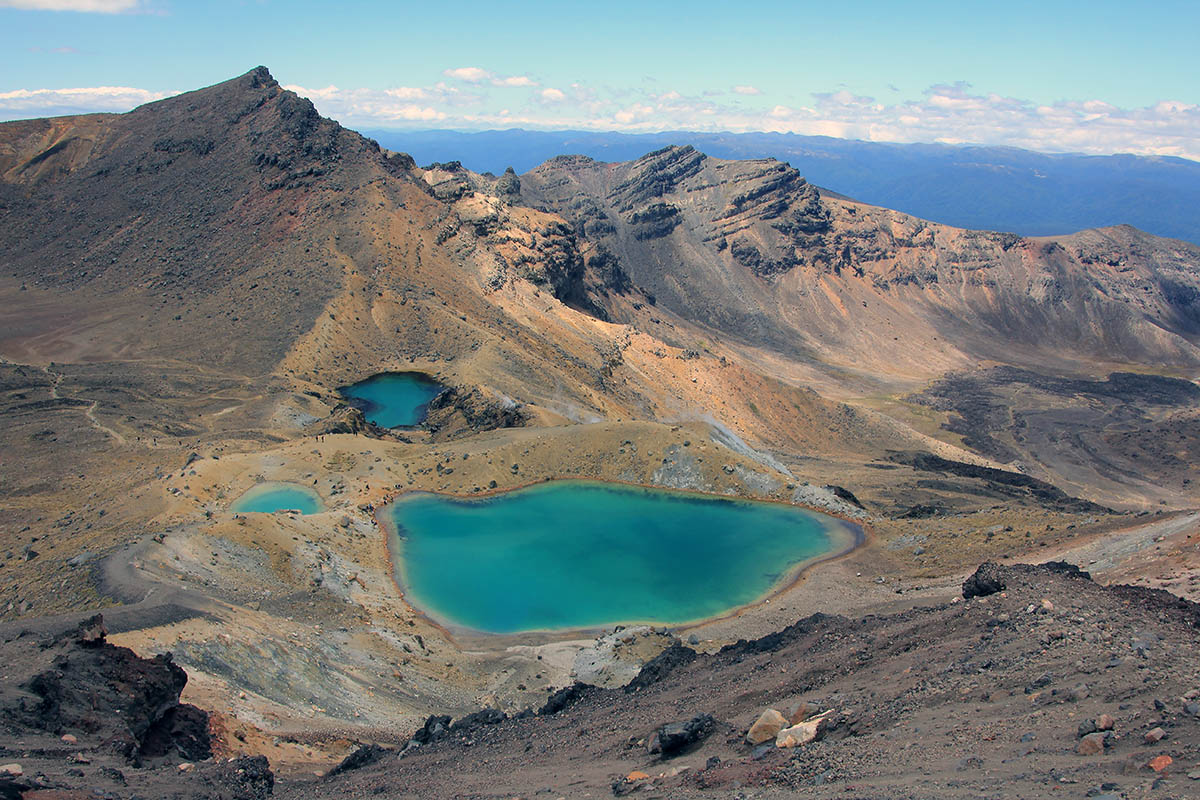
[[1094, 77]]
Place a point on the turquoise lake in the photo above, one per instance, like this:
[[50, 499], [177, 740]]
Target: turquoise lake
[[393, 399], [581, 554], [268, 498]]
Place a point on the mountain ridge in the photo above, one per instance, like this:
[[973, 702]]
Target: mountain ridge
[[969, 186]]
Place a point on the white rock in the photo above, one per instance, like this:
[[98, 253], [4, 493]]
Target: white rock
[[803, 733]]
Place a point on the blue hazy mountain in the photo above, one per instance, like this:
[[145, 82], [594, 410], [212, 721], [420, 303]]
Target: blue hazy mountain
[[992, 188]]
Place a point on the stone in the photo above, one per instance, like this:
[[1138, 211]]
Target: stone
[[987, 580], [675, 737], [13, 770], [1046, 605], [803, 733], [69, 738], [1090, 745], [1194, 775], [1160, 763], [1105, 722], [637, 775], [1192, 709], [91, 632], [1154, 736], [187, 766], [799, 711], [766, 727], [1086, 727]]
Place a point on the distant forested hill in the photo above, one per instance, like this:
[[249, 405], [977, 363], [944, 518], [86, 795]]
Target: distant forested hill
[[992, 188]]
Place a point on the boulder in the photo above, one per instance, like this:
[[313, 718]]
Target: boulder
[[766, 727], [674, 738], [803, 733], [988, 579], [1090, 745]]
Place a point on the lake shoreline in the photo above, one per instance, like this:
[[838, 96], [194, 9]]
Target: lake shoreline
[[847, 536]]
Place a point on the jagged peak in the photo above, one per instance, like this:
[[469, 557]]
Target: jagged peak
[[235, 93]]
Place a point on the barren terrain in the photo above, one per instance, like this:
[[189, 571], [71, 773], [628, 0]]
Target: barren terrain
[[184, 287]]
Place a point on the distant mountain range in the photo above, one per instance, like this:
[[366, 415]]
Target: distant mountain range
[[989, 188]]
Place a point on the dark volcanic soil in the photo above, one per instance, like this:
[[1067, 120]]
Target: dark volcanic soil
[[979, 698], [80, 717]]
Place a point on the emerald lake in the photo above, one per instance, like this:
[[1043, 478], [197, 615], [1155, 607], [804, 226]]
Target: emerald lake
[[583, 554], [268, 498], [393, 399]]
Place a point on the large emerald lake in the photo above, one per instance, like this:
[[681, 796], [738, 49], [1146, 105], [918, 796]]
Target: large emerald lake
[[581, 554], [393, 399]]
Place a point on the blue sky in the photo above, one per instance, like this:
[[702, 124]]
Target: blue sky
[[1097, 77]]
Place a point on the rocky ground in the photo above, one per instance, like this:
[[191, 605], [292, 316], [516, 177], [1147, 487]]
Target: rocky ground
[[1033, 681], [1040, 683]]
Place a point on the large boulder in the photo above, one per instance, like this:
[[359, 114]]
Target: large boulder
[[988, 579], [766, 727]]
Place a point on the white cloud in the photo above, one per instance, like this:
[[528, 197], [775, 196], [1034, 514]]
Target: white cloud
[[479, 75], [89, 6], [950, 113], [25, 103], [406, 93], [468, 74], [747, 90], [514, 80]]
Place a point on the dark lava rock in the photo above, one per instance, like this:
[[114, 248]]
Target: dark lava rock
[[110, 695], [14, 788], [988, 579], [436, 727], [675, 738], [563, 698], [486, 716], [247, 778], [921, 511], [661, 666], [183, 729], [843, 493], [361, 757], [1011, 484]]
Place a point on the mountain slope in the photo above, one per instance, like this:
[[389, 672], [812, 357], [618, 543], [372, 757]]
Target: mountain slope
[[991, 188], [190, 227], [754, 251]]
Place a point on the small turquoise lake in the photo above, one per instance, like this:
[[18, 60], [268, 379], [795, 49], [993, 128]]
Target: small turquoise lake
[[267, 498], [583, 554], [393, 399]]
